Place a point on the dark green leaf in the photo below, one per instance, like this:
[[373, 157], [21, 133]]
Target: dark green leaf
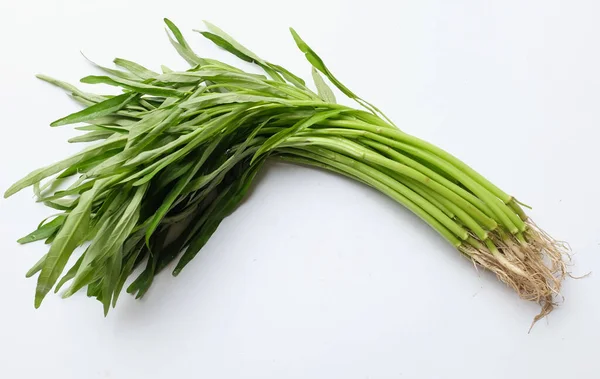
[[176, 191]]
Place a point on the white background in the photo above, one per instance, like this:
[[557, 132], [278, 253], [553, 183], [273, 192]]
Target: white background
[[315, 276]]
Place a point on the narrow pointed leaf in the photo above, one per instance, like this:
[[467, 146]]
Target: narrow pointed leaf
[[323, 89], [44, 231], [44, 172], [101, 109], [69, 275], [91, 136], [134, 86], [37, 267], [71, 235], [278, 138], [136, 69]]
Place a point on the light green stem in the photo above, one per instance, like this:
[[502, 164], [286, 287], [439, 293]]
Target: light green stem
[[319, 161]]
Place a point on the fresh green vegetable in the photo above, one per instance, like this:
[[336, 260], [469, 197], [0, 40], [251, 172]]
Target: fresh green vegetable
[[176, 152]]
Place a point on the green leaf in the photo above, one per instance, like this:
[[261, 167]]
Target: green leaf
[[84, 165], [91, 136], [187, 143], [126, 270], [232, 43], [103, 128], [134, 147], [71, 235], [136, 69], [75, 189], [182, 46], [101, 109], [213, 99], [221, 42], [142, 283], [176, 191], [317, 63], [117, 225], [71, 88], [37, 267], [110, 280], [44, 231], [44, 172], [280, 137], [225, 41], [215, 75], [113, 72], [37, 192], [146, 124], [69, 275], [323, 89], [61, 205], [94, 289], [295, 80], [134, 86], [221, 207]]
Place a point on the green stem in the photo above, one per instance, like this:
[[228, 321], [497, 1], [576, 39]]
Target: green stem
[[441, 203], [482, 217], [401, 136], [518, 210], [392, 183], [319, 161], [430, 196], [386, 145], [489, 199], [479, 185], [357, 151]]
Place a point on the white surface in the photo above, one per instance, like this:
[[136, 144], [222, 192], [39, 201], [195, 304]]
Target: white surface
[[316, 276]]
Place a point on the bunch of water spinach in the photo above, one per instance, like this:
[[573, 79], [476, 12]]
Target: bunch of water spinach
[[176, 152]]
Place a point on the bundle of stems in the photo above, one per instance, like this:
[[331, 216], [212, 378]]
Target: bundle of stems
[[178, 151]]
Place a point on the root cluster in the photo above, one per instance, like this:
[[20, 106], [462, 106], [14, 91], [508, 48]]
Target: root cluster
[[534, 267]]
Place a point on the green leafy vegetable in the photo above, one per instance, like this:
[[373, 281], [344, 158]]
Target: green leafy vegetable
[[178, 151]]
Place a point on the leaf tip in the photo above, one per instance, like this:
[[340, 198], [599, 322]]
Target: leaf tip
[[299, 42], [90, 79], [11, 191], [39, 297], [67, 293]]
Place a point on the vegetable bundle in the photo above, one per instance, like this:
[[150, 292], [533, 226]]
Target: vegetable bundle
[[177, 151]]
